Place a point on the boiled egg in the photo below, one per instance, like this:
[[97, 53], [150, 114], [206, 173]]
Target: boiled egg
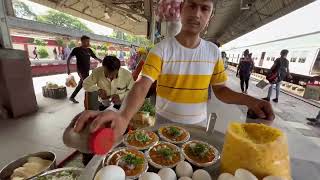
[[167, 174], [273, 178], [111, 173], [201, 174], [149, 176], [227, 176], [185, 178], [243, 174], [184, 169]]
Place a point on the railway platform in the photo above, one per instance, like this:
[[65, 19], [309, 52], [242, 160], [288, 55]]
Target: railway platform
[[43, 130]]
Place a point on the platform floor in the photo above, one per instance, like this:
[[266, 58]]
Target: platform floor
[[42, 131]]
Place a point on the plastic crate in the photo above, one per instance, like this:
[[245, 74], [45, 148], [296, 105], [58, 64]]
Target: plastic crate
[[56, 93]]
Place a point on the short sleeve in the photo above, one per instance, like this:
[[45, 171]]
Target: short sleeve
[[92, 54], [73, 52], [219, 75], [153, 65]]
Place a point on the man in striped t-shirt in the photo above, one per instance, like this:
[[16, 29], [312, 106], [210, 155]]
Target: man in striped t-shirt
[[183, 76], [184, 67]]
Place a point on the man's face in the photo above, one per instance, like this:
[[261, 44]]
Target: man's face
[[195, 15], [110, 74], [85, 43]]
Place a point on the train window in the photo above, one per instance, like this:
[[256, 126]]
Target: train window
[[293, 59], [273, 58], [268, 58], [302, 60]]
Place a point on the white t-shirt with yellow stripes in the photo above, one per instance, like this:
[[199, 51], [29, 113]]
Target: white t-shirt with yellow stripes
[[183, 76]]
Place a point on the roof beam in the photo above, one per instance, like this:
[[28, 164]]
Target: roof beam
[[18, 23]]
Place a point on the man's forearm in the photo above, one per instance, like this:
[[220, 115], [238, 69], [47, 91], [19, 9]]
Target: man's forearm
[[134, 100], [98, 59], [229, 96]]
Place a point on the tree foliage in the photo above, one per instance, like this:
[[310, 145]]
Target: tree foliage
[[63, 20], [39, 42], [72, 44], [60, 42], [142, 41], [43, 52], [22, 10]]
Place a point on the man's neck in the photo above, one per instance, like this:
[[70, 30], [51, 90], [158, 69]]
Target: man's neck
[[188, 40]]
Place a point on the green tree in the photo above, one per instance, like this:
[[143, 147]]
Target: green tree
[[72, 44], [43, 53], [39, 42], [22, 10], [60, 42], [63, 20], [117, 34]]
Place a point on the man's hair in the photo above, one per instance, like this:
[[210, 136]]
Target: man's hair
[[284, 52], [84, 38], [112, 63], [213, 1]]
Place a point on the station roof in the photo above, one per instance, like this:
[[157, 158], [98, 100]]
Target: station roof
[[233, 18]]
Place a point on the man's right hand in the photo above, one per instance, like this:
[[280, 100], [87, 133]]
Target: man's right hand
[[68, 72], [102, 94], [118, 123]]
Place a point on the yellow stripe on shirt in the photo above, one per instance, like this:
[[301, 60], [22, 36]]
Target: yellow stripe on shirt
[[152, 67], [219, 75], [182, 95], [185, 81]]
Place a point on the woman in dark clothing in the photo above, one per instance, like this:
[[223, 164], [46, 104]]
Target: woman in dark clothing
[[245, 68], [281, 65]]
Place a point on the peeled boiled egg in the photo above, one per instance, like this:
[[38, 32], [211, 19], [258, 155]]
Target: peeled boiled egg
[[273, 178], [149, 176], [111, 173], [167, 174], [201, 174], [227, 176], [185, 178], [243, 174], [184, 169]]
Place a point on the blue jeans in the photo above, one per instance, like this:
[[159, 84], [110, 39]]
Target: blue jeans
[[277, 90]]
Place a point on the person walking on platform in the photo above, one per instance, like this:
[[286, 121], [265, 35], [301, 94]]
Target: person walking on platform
[[35, 53], [281, 69], [244, 70], [184, 67], [83, 54], [55, 53], [225, 59]]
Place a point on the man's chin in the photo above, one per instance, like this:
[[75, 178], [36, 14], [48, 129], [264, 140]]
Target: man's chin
[[192, 31]]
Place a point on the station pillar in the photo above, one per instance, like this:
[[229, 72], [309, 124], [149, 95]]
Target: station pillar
[[5, 39]]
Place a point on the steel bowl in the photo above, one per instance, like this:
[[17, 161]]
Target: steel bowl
[[107, 160], [207, 164], [172, 141], [7, 171], [76, 171], [125, 141], [159, 166]]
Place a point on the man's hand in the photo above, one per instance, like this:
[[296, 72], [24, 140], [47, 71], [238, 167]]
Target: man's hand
[[103, 94], [101, 119], [261, 108], [68, 71], [289, 76], [115, 99]]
